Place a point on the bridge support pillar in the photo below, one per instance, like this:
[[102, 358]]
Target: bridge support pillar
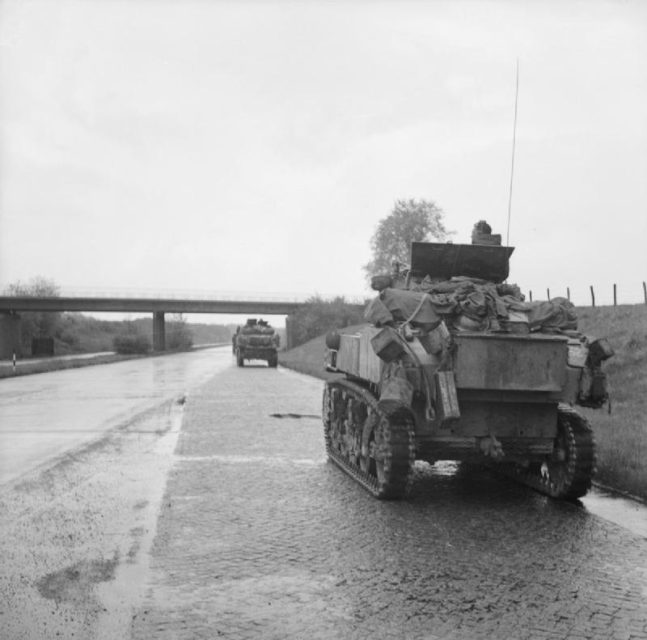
[[159, 331], [10, 336]]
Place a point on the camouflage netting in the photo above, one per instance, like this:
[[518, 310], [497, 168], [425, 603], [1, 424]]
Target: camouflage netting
[[470, 304], [257, 328]]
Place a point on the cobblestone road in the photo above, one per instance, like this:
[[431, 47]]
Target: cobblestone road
[[260, 537]]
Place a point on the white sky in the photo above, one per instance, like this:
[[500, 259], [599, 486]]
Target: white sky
[[252, 147]]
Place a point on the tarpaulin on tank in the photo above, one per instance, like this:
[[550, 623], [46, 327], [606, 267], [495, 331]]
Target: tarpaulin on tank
[[258, 329], [470, 304], [557, 314], [403, 305]]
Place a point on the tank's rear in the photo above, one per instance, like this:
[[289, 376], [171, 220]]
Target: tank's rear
[[508, 388]]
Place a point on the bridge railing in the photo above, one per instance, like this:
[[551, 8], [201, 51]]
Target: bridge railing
[[210, 294]]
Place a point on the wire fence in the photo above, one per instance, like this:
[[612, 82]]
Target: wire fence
[[592, 301]]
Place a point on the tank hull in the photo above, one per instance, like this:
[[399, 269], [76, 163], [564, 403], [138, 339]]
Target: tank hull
[[504, 401], [455, 360]]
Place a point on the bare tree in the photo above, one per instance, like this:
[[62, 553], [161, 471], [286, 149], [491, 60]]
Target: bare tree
[[36, 324]]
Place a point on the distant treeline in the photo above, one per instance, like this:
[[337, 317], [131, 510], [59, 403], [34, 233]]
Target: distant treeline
[[78, 333]]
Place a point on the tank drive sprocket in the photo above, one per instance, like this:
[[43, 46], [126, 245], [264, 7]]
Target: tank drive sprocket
[[568, 471], [374, 448]]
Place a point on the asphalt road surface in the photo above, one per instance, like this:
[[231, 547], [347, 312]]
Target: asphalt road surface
[[48, 414], [219, 516]]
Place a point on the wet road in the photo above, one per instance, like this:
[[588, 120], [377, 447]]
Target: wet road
[[222, 518], [45, 415]]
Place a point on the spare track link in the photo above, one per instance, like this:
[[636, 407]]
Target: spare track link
[[569, 478], [345, 420]]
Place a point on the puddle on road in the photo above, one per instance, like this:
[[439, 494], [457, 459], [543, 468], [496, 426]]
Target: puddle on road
[[624, 512], [442, 467], [72, 583], [269, 460], [121, 595]]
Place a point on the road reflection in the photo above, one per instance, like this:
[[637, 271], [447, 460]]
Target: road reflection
[[44, 415]]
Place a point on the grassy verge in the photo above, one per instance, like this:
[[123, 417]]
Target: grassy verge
[[27, 367], [307, 358], [621, 433]]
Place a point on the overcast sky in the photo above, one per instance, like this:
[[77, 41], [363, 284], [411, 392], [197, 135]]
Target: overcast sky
[[252, 147]]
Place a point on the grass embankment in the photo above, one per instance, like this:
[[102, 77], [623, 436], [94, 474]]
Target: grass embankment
[[308, 358], [42, 365], [621, 434]]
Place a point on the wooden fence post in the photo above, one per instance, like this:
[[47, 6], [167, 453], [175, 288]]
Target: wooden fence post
[[615, 296], [548, 294], [592, 297], [530, 294], [645, 291], [568, 293]]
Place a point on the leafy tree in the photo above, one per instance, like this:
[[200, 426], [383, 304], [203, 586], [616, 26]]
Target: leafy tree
[[36, 324], [131, 343], [410, 221], [131, 340]]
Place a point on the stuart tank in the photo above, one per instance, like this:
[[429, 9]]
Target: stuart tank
[[256, 340], [455, 364]]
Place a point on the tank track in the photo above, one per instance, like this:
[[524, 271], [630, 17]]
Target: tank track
[[568, 473], [375, 449]]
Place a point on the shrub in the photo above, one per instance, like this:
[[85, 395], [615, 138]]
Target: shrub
[[178, 334], [131, 343]]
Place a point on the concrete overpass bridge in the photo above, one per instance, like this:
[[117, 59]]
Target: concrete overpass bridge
[[12, 306]]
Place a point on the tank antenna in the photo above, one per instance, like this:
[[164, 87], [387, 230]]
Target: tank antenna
[[514, 139]]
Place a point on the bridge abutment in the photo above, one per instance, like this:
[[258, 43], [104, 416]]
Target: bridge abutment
[[10, 336], [159, 331]]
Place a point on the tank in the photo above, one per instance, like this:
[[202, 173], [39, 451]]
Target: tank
[[454, 364], [256, 340]]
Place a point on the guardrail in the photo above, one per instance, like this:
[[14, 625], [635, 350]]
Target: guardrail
[[146, 305], [206, 294]]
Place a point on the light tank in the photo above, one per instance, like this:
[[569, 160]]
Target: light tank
[[256, 340], [456, 365]]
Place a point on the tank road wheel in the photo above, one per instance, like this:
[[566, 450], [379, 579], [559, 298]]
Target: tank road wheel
[[240, 361], [375, 449], [568, 471]]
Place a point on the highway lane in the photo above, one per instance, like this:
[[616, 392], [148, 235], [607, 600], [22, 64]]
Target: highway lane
[[259, 537], [45, 415], [221, 516]]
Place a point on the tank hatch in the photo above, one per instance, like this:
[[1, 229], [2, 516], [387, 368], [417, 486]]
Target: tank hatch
[[446, 260]]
